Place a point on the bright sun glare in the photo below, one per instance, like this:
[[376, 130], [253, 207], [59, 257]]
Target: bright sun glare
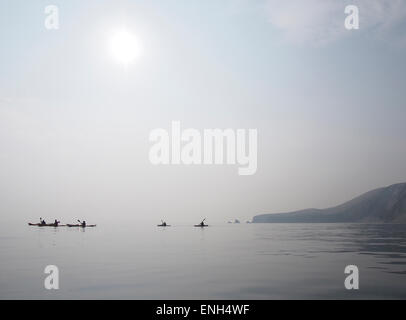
[[125, 47]]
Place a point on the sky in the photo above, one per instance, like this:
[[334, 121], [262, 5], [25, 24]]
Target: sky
[[328, 104]]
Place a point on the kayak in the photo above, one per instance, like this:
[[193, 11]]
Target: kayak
[[199, 225], [161, 225], [79, 225], [46, 225]]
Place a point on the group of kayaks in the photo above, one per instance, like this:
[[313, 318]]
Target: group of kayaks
[[201, 224], [56, 223], [82, 224]]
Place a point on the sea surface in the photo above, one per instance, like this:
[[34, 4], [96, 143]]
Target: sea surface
[[229, 261]]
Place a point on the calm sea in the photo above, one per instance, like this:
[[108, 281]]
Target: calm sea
[[247, 261]]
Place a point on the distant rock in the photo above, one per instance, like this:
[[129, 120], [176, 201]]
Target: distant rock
[[380, 205]]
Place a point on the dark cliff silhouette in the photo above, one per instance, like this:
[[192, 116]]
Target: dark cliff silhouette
[[386, 204]]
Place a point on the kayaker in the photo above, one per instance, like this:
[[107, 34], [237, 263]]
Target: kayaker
[[56, 222], [202, 223], [42, 221], [83, 224]]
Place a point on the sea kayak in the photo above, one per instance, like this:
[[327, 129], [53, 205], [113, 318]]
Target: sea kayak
[[199, 225], [79, 225], [162, 225], [47, 225]]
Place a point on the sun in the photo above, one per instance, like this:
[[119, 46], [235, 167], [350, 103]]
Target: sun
[[124, 47]]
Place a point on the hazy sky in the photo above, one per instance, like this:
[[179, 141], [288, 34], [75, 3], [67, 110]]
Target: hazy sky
[[328, 103]]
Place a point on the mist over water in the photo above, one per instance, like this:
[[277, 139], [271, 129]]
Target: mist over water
[[223, 261]]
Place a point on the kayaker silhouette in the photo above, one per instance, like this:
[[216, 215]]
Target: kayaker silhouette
[[201, 224], [42, 221], [82, 223], [56, 222]]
